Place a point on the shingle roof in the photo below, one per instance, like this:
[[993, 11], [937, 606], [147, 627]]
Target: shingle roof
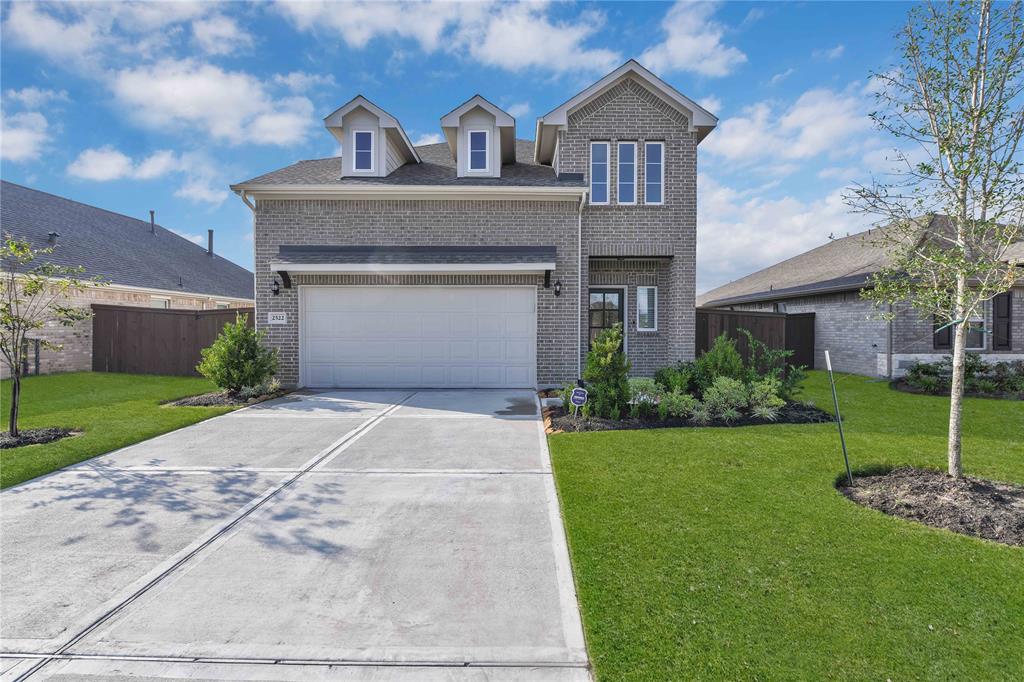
[[406, 255], [116, 247], [841, 265], [437, 168]]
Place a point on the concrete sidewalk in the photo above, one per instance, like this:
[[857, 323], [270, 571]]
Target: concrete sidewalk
[[350, 535]]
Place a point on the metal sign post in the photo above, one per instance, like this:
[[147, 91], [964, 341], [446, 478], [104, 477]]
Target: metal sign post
[[839, 418]]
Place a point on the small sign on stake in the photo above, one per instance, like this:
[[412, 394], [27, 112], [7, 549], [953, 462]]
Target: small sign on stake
[[578, 398]]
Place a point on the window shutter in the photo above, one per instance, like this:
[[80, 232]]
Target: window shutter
[[943, 337], [1002, 306]]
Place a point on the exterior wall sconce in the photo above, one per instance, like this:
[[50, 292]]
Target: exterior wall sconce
[[558, 287], [275, 288]]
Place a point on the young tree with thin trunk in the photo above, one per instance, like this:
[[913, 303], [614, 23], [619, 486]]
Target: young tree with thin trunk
[[31, 294], [953, 208]]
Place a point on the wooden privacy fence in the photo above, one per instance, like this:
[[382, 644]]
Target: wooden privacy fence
[[155, 341], [776, 330]]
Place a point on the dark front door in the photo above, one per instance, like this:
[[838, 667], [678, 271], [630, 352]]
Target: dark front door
[[605, 310]]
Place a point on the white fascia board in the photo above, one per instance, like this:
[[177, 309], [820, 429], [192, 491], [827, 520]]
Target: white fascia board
[[412, 268], [333, 121], [439, 192], [502, 118]]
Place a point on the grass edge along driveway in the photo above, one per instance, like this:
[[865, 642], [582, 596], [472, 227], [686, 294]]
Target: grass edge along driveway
[[112, 411], [728, 554]]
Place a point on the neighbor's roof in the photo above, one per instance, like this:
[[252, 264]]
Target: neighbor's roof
[[437, 168], [843, 264], [116, 247]]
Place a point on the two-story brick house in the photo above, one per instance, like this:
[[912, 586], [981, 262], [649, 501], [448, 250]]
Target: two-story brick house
[[484, 260]]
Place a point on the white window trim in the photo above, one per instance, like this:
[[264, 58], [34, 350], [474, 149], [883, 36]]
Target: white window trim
[[978, 319], [655, 327], [221, 305], [662, 183], [618, 173], [487, 151], [373, 152], [608, 172], [166, 300]]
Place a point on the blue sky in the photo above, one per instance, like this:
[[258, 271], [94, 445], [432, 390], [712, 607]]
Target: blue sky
[[138, 106]]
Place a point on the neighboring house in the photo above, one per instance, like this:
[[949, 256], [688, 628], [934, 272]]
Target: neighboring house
[[144, 264], [827, 281], [484, 260]]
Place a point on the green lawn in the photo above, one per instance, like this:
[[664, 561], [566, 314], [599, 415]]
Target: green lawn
[[728, 554], [112, 410]]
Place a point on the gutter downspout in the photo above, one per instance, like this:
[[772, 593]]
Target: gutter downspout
[[579, 287], [888, 349], [245, 198]]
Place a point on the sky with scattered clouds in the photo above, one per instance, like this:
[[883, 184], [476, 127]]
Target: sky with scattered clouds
[[148, 105]]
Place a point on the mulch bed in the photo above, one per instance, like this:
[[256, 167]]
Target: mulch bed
[[558, 420], [902, 385], [34, 437], [221, 399], [970, 506]]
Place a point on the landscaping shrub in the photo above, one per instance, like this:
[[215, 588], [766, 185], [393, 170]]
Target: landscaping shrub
[[765, 394], [675, 378], [765, 412], [701, 415], [236, 359], [643, 396], [676, 404], [725, 395], [721, 360], [607, 376], [979, 377]]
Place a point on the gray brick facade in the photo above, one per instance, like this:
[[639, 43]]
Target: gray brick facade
[[628, 246]]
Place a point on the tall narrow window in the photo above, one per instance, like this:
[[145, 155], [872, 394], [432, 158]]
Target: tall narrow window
[[647, 309], [943, 337], [599, 172], [627, 173], [478, 150], [654, 153], [976, 333], [363, 144], [1002, 321]]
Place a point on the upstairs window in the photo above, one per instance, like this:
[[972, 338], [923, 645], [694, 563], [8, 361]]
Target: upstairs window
[[627, 173], [478, 150], [654, 154], [599, 172], [363, 143]]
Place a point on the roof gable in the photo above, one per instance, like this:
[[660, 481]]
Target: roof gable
[[334, 122]]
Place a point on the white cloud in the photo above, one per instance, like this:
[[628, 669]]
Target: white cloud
[[512, 36], [194, 238], [831, 53], [42, 32], [220, 35], [781, 76], [300, 81], [693, 42], [731, 240], [818, 122], [229, 106], [427, 138], [518, 109], [711, 103], [23, 136], [201, 181], [33, 97]]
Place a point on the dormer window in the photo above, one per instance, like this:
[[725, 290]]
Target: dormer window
[[363, 143], [478, 150]]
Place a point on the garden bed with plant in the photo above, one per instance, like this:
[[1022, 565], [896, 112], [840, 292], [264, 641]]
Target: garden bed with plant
[[719, 388], [970, 506], [33, 437], [1001, 380], [247, 395]]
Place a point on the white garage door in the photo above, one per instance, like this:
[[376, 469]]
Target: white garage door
[[430, 337]]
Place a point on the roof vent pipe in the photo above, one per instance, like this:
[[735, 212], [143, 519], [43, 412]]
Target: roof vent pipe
[[152, 222], [51, 237], [209, 242]]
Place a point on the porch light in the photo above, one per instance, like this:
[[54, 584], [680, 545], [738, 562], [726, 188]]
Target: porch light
[[558, 287], [275, 288]]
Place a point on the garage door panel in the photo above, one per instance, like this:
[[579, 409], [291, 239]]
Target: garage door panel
[[418, 336]]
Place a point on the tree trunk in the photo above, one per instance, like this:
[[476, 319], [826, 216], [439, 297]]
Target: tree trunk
[[15, 401], [956, 394]]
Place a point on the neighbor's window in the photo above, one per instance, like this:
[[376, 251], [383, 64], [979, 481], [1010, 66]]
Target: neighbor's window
[[627, 173], [976, 333], [599, 172], [221, 305], [478, 150], [158, 302], [647, 309], [364, 150], [654, 154]]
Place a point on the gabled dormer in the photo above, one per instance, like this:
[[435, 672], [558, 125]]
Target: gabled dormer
[[481, 137], [373, 142]]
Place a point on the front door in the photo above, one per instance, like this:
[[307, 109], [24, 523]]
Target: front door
[[606, 310]]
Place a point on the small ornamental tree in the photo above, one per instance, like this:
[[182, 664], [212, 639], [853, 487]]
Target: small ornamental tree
[[236, 359], [955, 204], [607, 375], [33, 292]]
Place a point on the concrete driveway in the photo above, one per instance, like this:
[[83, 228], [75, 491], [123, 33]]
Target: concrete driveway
[[336, 535]]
